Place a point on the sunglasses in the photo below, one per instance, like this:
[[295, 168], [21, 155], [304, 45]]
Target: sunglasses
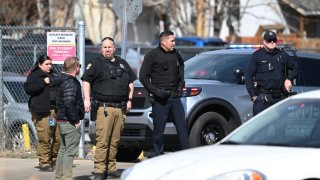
[[272, 40], [79, 65]]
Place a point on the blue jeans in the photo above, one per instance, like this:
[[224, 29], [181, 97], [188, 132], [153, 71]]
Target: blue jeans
[[70, 138]]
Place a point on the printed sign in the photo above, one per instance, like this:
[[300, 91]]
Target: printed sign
[[61, 45]]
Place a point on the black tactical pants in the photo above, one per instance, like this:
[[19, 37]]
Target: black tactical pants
[[161, 109]]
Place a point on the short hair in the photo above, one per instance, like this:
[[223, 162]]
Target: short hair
[[165, 35], [70, 63], [107, 38]]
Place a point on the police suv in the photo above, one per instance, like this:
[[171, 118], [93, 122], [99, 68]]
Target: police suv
[[215, 99]]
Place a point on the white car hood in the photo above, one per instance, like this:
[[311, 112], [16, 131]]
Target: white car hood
[[209, 161]]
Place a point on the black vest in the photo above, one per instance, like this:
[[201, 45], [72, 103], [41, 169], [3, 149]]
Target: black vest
[[113, 86]]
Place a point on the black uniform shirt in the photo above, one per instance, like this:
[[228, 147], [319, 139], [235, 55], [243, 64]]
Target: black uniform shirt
[[95, 74], [268, 69], [160, 69]]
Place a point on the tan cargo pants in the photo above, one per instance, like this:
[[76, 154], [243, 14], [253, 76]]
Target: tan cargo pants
[[48, 138], [108, 131]]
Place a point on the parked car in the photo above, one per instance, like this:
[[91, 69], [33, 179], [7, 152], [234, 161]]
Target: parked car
[[216, 100], [199, 41], [16, 111], [196, 41], [282, 142]]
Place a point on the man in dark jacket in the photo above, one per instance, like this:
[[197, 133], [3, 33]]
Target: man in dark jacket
[[70, 111], [162, 74], [42, 107]]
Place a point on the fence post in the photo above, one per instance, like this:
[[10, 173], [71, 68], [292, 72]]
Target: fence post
[[81, 56], [2, 130]]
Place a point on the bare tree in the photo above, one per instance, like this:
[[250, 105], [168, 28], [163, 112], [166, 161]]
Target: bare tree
[[62, 12], [18, 12], [43, 11]]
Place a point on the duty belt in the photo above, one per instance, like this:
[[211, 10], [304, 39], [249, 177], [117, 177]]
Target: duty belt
[[173, 93], [110, 104], [270, 91]]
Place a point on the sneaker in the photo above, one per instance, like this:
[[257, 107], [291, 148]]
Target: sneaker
[[115, 174]]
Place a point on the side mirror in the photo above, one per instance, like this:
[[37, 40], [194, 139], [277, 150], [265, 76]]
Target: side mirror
[[239, 75]]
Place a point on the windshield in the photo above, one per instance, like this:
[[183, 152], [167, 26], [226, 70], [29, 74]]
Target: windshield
[[294, 123], [215, 66]]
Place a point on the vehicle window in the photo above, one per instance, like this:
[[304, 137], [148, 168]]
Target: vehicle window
[[215, 66], [298, 80], [295, 123], [310, 69], [16, 90]]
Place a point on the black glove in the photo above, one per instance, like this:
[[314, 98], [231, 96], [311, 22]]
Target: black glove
[[163, 94]]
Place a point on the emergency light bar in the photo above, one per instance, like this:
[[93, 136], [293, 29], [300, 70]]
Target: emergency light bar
[[245, 46], [287, 47]]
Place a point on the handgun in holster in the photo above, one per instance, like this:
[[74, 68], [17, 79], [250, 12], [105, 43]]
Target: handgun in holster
[[94, 110]]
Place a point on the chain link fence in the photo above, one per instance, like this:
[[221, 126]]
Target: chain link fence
[[20, 46]]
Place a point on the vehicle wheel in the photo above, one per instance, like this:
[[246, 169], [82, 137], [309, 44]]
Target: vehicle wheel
[[128, 155], [208, 129]]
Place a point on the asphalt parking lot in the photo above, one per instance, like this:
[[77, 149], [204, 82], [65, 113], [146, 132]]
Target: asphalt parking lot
[[17, 169]]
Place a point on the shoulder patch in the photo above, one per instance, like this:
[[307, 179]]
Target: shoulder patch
[[88, 66], [122, 66]]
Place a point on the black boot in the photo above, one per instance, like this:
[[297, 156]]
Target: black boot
[[98, 176]]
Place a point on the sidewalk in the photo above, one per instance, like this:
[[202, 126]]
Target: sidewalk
[[17, 169]]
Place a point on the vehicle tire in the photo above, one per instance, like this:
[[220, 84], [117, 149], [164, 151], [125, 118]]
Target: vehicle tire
[[208, 129], [128, 155]]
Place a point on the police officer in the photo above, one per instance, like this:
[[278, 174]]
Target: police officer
[[162, 74], [111, 80], [267, 77]]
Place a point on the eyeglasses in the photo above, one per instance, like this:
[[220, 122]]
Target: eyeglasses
[[272, 40]]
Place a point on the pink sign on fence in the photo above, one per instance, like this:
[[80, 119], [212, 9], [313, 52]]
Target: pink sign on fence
[[61, 45]]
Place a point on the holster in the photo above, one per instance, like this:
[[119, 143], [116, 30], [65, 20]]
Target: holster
[[151, 98], [94, 110]]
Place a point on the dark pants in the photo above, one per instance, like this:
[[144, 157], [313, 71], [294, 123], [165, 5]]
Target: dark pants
[[161, 110], [264, 101]]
